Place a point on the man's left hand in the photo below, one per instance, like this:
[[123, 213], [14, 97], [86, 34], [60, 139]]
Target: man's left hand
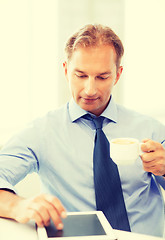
[[153, 157]]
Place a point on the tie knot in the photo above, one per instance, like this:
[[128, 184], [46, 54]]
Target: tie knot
[[98, 122]]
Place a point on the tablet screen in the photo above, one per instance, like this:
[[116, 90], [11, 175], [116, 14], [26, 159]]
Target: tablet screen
[[77, 225]]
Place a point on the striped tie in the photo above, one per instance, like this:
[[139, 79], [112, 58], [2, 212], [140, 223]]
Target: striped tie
[[108, 191]]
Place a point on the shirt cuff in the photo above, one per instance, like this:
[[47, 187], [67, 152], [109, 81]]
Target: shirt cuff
[[7, 186]]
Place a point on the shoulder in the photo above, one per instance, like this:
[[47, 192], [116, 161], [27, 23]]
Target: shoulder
[[141, 122], [129, 114], [36, 132], [53, 118]]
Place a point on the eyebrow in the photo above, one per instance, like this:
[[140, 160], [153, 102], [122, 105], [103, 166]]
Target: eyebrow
[[99, 74], [105, 73], [77, 70]]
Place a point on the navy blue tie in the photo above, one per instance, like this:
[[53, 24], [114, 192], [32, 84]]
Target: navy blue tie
[[108, 191]]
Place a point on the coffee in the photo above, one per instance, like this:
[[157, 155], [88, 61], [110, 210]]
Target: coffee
[[123, 141]]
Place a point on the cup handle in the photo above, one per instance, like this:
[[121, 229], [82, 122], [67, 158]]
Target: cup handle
[[140, 151]]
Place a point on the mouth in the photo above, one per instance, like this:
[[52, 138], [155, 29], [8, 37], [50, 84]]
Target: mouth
[[89, 100]]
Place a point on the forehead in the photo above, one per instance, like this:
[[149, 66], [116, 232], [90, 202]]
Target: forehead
[[102, 57]]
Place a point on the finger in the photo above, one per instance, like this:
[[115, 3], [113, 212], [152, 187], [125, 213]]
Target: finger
[[56, 218], [157, 155], [54, 201], [48, 206], [25, 213], [53, 214], [47, 210], [145, 140], [56, 211], [31, 214], [148, 157], [37, 218], [149, 146], [153, 162], [58, 206], [154, 169], [40, 212]]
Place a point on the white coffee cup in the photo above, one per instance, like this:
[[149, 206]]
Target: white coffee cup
[[125, 150]]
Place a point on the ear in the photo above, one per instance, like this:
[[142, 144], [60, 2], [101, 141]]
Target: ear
[[119, 72], [65, 68]]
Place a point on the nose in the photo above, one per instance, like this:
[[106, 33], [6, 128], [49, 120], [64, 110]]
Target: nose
[[90, 86]]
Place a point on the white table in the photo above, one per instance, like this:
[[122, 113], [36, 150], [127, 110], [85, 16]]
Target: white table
[[11, 230]]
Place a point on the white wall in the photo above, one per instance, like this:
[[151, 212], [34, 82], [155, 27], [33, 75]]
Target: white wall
[[33, 34], [28, 62], [144, 82], [30, 186]]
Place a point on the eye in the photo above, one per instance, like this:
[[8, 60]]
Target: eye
[[102, 78], [81, 76]]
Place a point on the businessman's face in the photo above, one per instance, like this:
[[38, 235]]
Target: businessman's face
[[91, 73]]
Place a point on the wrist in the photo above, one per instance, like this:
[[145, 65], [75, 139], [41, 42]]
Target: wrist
[[8, 204], [15, 207]]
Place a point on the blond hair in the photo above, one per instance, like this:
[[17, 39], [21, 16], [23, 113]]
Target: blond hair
[[93, 36]]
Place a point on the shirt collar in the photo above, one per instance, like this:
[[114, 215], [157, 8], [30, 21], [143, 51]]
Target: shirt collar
[[76, 112], [111, 111]]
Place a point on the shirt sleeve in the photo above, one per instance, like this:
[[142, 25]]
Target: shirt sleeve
[[18, 158], [158, 132], [159, 136], [163, 143]]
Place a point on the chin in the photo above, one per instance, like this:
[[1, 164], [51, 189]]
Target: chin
[[91, 110]]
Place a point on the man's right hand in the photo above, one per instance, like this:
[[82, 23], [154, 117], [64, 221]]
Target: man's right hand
[[40, 208]]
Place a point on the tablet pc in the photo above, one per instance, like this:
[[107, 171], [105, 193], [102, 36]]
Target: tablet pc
[[79, 225]]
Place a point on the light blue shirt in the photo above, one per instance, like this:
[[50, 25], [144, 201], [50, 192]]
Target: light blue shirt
[[59, 147]]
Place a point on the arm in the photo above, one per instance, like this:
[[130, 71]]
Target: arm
[[41, 209]]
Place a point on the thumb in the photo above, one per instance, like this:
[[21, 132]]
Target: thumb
[[145, 140]]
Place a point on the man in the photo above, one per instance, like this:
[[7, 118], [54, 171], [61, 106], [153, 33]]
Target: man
[[59, 146]]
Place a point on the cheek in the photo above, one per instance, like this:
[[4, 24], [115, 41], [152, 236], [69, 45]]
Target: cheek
[[107, 88], [74, 86], [106, 95]]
